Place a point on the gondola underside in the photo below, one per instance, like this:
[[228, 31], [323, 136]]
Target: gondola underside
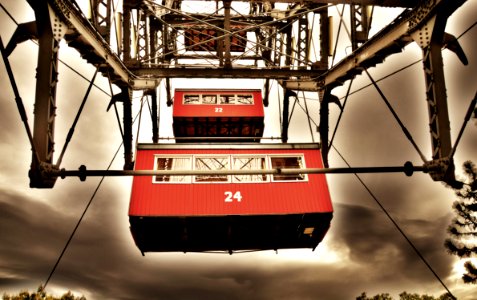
[[232, 233]]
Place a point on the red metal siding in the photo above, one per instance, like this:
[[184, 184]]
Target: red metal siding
[[201, 39], [208, 199], [209, 110]]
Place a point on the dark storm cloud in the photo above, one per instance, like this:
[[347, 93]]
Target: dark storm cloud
[[375, 249], [40, 233], [225, 278], [28, 234], [99, 255], [372, 239]]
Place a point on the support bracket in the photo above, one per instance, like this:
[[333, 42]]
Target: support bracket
[[127, 122], [430, 37], [50, 30]]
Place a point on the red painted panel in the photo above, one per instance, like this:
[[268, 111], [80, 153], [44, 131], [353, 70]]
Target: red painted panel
[[208, 199], [202, 39], [217, 110]]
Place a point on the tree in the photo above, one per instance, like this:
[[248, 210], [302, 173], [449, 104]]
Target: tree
[[463, 229], [385, 296], [40, 294], [405, 296]]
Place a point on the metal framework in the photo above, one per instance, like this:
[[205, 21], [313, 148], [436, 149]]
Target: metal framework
[[272, 40]]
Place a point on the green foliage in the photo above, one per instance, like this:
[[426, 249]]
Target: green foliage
[[40, 294], [471, 275], [376, 297], [463, 228], [404, 296]]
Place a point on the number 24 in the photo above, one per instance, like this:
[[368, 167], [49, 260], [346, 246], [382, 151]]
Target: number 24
[[229, 196]]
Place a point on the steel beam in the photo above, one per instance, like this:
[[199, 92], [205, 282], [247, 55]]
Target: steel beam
[[89, 38], [384, 3], [325, 47], [45, 96], [143, 53], [101, 17], [168, 92], [390, 40], [430, 39], [360, 24], [286, 114], [266, 92], [226, 39], [191, 71], [125, 97], [323, 128], [436, 91], [126, 27], [154, 115], [303, 42], [278, 44], [181, 21], [155, 40]]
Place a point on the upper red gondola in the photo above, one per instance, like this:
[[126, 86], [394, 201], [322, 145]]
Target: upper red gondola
[[213, 114], [199, 38]]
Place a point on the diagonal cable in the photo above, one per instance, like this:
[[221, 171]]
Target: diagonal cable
[[61, 61], [341, 112], [19, 102], [75, 122], [396, 225], [467, 117], [68, 242], [401, 124], [114, 104], [80, 220], [308, 116]]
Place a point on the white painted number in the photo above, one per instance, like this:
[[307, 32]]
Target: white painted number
[[229, 196], [218, 109]]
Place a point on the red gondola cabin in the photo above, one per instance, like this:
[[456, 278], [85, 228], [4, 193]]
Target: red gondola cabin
[[198, 38], [216, 212], [218, 113]]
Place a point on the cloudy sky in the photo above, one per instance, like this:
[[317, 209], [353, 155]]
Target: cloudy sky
[[363, 251]]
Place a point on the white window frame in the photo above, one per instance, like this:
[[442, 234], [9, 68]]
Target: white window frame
[[244, 94], [212, 155], [264, 156], [230, 160], [217, 98], [187, 179], [233, 96], [194, 103], [300, 155]]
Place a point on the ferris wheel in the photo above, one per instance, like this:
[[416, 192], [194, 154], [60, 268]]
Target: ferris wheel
[[219, 150]]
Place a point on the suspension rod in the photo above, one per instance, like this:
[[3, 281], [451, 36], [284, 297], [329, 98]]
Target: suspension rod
[[396, 117], [19, 101], [82, 172], [78, 114]]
